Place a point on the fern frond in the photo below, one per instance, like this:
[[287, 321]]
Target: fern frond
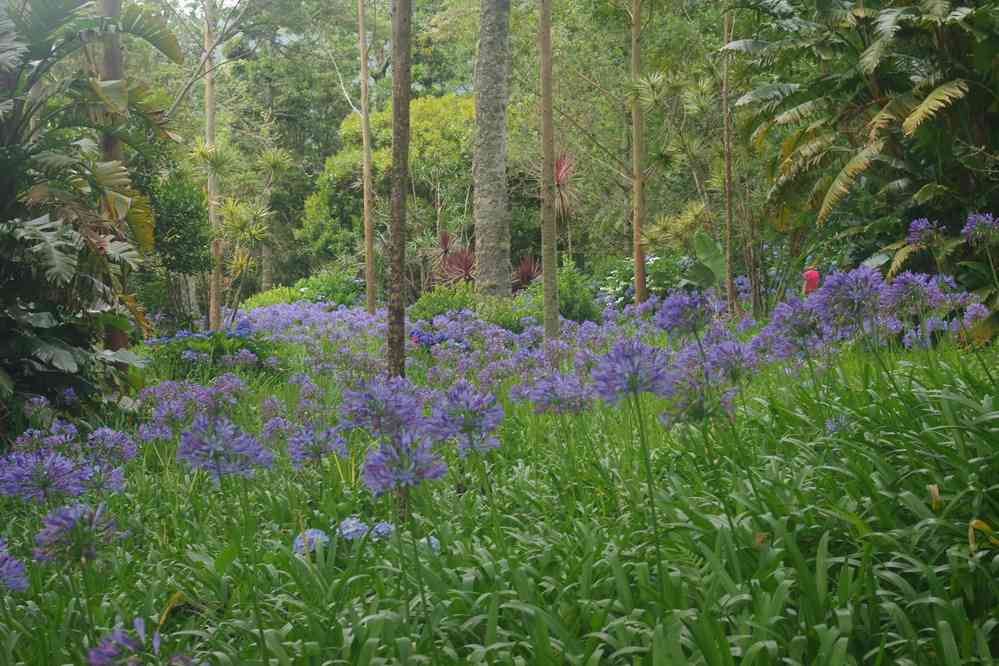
[[943, 96], [844, 181], [900, 258]]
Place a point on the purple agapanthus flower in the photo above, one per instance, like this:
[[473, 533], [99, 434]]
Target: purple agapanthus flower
[[74, 533], [35, 405], [128, 648], [848, 301], [110, 446], [41, 475], [981, 228], [384, 407], [402, 461], [975, 312], [217, 446], [310, 443], [557, 393], [351, 528], [923, 232], [382, 530], [629, 368], [467, 415], [12, 572], [683, 312], [309, 540]]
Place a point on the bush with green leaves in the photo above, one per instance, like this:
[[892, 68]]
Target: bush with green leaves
[[665, 269], [442, 299], [200, 354], [272, 297], [330, 286], [513, 313], [577, 296]]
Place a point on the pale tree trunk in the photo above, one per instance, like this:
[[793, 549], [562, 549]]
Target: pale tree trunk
[[369, 226], [727, 141], [549, 260], [266, 266], [402, 17], [215, 283], [491, 203], [637, 153]]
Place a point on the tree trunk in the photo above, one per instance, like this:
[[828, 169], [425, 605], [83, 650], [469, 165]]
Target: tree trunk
[[215, 284], [371, 291], [549, 262], [112, 69], [727, 140], [402, 17], [492, 208], [637, 153], [266, 265]]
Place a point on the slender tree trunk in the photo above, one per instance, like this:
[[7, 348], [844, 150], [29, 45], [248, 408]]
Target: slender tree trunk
[[402, 17], [549, 261], [112, 69], [727, 140], [371, 290], [266, 265], [492, 209], [215, 283], [637, 153]]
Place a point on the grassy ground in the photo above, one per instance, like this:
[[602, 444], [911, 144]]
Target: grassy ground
[[842, 517]]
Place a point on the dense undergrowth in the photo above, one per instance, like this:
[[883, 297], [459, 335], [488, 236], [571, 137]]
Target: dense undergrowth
[[827, 496]]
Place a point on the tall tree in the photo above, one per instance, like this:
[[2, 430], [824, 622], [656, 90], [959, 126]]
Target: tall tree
[[727, 143], [402, 19], [215, 282], [369, 227], [549, 260], [112, 69], [637, 152], [491, 203]]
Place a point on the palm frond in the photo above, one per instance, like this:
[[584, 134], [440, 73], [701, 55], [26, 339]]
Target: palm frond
[[846, 178], [943, 96]]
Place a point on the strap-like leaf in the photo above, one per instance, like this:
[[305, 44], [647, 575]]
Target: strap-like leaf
[[847, 176]]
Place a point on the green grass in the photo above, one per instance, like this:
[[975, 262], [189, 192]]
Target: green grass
[[782, 543]]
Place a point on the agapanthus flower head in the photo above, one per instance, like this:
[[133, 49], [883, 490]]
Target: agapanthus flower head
[[557, 393], [631, 367], [12, 573], [35, 406], [684, 312], [351, 528], [74, 533], [923, 232], [61, 434], [847, 301], [729, 360], [981, 228], [310, 443], [385, 407], [110, 446], [41, 475], [309, 540], [467, 415], [382, 530], [270, 407], [194, 356], [911, 295], [405, 460], [104, 478], [975, 312], [217, 446], [123, 647], [68, 396]]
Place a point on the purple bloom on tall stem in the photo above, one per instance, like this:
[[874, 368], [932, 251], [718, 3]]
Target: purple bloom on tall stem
[[975, 312], [848, 301], [631, 367], [402, 461], [217, 446], [41, 475], [558, 393], [74, 533], [384, 407], [351, 528], [12, 572], [309, 540], [923, 232], [128, 648], [467, 415], [981, 228], [683, 312], [110, 446], [312, 442]]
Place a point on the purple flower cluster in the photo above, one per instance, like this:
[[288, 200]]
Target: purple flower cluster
[[923, 232], [310, 443], [131, 648], [557, 393], [74, 533], [215, 445], [404, 460], [684, 312], [309, 540], [12, 573], [467, 415], [631, 367], [41, 475], [981, 228]]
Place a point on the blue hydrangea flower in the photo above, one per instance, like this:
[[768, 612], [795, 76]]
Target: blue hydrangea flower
[[309, 540], [631, 367], [351, 528], [12, 573], [74, 533]]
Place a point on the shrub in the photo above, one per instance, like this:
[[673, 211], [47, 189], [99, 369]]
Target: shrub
[[219, 351], [330, 286], [442, 299], [664, 270], [510, 313], [272, 297], [576, 294]]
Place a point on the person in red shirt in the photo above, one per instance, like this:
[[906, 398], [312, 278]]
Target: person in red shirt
[[811, 276]]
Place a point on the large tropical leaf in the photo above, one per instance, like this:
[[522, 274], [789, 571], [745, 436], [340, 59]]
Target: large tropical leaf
[[943, 96], [53, 244], [135, 20], [847, 176], [12, 49]]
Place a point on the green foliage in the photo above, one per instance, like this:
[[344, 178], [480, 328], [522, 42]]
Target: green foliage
[[168, 361], [330, 286], [664, 270], [442, 299], [272, 297], [513, 313], [182, 231], [576, 293]]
